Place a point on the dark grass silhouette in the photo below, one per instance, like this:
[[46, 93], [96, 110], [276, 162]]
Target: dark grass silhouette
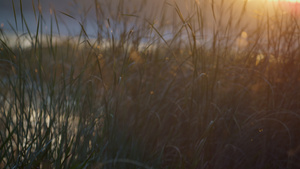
[[176, 92]]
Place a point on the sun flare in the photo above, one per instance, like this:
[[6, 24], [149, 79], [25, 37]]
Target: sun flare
[[293, 1]]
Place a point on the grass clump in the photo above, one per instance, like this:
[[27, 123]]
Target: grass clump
[[183, 89]]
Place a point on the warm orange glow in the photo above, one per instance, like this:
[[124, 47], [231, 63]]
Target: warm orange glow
[[295, 1], [291, 6]]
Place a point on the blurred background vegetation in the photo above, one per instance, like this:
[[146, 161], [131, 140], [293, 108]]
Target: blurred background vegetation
[[141, 84]]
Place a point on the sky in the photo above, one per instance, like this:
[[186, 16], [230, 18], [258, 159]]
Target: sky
[[74, 8], [151, 9]]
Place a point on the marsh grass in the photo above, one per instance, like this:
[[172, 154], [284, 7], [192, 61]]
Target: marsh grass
[[221, 95]]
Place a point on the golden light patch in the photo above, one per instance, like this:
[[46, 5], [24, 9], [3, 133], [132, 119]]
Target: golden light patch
[[259, 58], [135, 56], [244, 35], [242, 41], [101, 60]]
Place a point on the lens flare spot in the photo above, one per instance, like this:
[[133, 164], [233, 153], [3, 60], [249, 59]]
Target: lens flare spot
[[244, 35]]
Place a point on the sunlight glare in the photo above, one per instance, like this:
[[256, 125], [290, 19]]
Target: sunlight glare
[[293, 1]]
